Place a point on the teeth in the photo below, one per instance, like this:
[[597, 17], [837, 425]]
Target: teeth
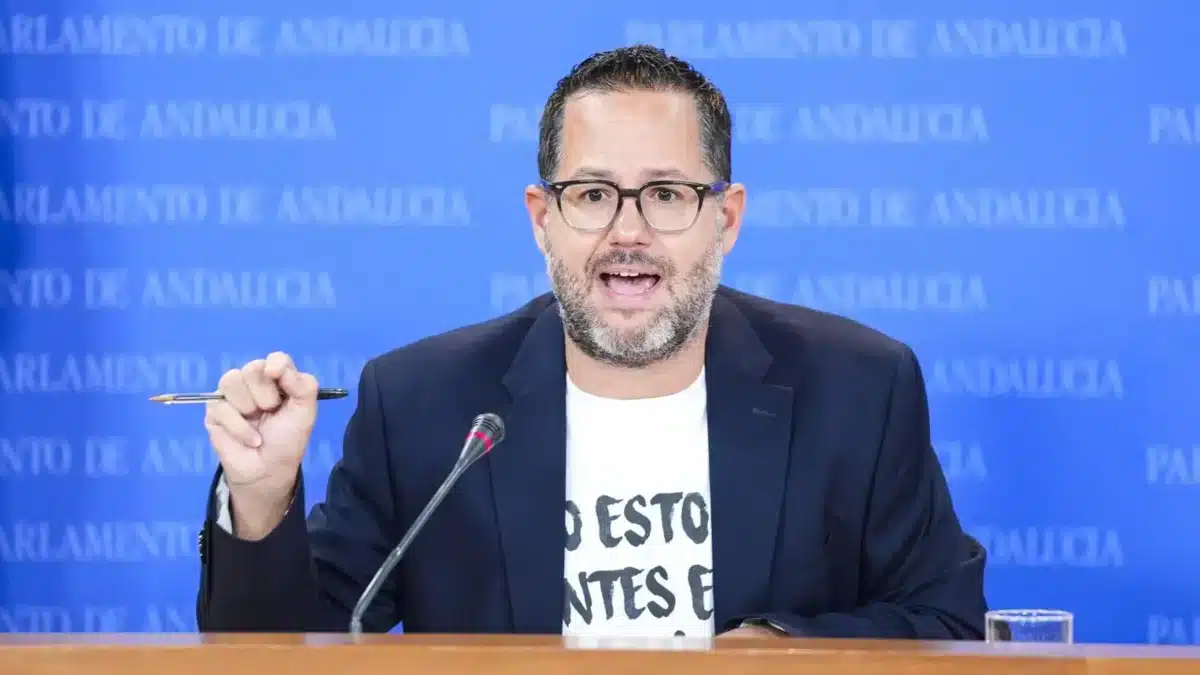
[[627, 274]]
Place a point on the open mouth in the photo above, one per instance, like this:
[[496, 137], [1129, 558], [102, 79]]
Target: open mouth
[[629, 283]]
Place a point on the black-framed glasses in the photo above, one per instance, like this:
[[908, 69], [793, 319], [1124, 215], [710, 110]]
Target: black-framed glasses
[[592, 205]]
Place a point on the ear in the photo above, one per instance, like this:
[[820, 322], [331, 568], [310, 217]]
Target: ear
[[538, 207], [733, 208]]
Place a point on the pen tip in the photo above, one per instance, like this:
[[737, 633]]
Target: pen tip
[[160, 398]]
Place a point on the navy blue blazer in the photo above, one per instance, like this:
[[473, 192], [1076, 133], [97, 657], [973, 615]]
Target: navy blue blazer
[[830, 512]]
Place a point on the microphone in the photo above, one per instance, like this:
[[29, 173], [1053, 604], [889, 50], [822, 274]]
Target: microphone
[[486, 433]]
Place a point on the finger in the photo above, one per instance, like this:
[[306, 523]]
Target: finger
[[230, 451], [299, 387], [277, 363], [232, 388], [262, 387], [222, 414]]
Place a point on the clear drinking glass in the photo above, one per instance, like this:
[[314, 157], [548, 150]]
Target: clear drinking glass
[[1030, 625]]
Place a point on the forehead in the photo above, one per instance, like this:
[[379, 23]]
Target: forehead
[[631, 135]]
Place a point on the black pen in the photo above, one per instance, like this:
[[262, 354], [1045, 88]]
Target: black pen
[[174, 399]]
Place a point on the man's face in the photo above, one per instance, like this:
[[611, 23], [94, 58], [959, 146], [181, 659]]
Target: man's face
[[631, 295]]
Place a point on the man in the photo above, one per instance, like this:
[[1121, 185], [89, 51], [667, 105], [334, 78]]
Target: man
[[728, 464]]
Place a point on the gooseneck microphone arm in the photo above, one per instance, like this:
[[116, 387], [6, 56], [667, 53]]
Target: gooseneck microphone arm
[[486, 433], [393, 559]]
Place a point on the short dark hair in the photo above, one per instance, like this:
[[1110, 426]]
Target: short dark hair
[[639, 67]]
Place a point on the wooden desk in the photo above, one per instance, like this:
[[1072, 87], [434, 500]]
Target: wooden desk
[[512, 655]]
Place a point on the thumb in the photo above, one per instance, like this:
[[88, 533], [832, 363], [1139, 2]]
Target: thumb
[[300, 388]]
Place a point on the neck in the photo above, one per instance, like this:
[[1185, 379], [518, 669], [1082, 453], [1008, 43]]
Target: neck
[[657, 379]]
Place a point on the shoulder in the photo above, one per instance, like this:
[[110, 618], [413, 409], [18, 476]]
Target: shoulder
[[802, 340], [463, 356]]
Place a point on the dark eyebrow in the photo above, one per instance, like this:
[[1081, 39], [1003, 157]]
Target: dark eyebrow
[[590, 172], [649, 174], [665, 174]]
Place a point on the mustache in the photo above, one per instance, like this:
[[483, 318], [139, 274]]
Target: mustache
[[664, 268]]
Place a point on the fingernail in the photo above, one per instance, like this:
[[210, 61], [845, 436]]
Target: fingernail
[[257, 440]]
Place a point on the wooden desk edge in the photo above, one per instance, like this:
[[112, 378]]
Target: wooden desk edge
[[482, 644]]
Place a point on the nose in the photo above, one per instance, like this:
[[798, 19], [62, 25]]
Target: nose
[[630, 228]]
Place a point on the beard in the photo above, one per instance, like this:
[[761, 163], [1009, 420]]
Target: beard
[[662, 335]]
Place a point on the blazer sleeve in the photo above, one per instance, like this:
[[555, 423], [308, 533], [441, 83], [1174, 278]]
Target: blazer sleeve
[[306, 576], [923, 575]]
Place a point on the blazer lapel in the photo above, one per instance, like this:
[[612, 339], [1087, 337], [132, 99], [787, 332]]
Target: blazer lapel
[[528, 475], [749, 432]]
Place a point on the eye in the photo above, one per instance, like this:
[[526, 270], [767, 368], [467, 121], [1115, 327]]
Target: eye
[[666, 194], [589, 194]]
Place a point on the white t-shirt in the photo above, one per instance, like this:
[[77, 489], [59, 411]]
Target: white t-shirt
[[639, 530]]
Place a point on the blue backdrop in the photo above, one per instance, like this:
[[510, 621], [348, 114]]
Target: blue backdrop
[[1005, 186]]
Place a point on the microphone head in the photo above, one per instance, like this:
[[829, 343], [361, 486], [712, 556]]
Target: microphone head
[[485, 433], [491, 426]]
